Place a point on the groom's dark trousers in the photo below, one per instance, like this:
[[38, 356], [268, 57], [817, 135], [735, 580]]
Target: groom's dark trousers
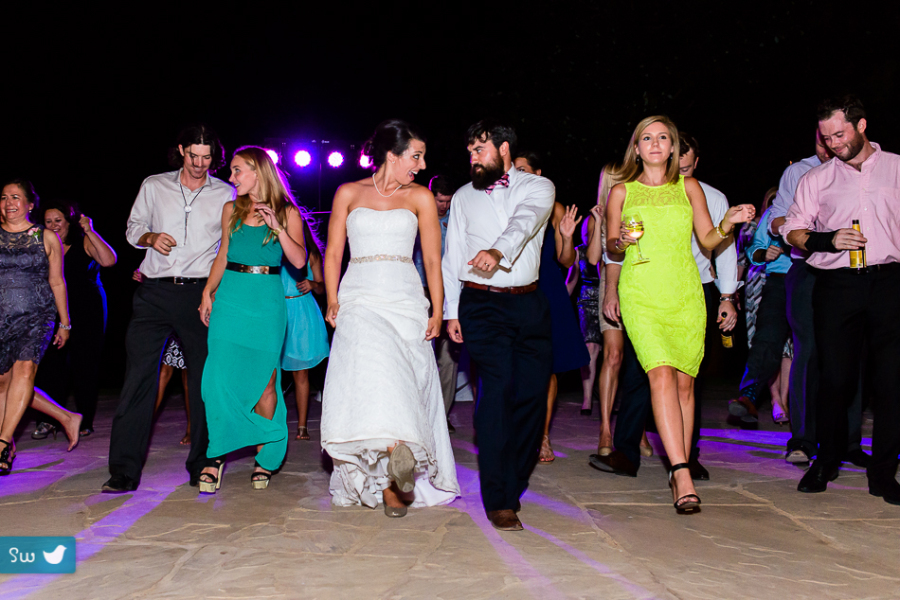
[[508, 338]]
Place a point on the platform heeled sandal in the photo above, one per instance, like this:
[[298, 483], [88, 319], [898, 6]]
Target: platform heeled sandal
[[689, 503], [212, 486], [260, 479]]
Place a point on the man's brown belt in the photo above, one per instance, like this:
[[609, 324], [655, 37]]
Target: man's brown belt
[[522, 289]]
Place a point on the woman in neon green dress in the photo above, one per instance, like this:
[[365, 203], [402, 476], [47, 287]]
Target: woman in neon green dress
[[661, 296], [247, 321]]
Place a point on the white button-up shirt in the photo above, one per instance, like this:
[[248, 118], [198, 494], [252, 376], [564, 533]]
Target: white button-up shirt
[[725, 254], [511, 220], [160, 208]]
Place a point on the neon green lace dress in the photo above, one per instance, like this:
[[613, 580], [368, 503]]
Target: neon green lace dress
[[662, 300]]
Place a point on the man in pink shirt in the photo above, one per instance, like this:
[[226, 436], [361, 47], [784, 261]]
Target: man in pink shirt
[[853, 307]]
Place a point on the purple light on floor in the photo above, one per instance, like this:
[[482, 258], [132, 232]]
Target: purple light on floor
[[302, 158], [273, 155], [633, 589], [95, 538], [335, 159], [365, 161]]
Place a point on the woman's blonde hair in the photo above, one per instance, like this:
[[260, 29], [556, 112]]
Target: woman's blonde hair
[[610, 177], [272, 187], [630, 168]]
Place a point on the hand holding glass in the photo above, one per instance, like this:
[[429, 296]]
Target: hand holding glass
[[634, 227]]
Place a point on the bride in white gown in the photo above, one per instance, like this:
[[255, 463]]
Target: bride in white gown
[[383, 421]]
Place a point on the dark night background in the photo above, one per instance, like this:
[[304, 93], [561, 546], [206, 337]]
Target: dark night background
[[92, 102]]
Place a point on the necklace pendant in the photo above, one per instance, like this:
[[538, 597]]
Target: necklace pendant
[[187, 209]]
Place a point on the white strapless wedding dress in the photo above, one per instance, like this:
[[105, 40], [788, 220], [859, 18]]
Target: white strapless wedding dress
[[382, 382]]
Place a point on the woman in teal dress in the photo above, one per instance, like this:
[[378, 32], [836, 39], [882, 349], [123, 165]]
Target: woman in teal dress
[[661, 298], [244, 307], [306, 342]]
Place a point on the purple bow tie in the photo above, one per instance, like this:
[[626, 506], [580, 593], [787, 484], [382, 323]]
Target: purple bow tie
[[502, 182]]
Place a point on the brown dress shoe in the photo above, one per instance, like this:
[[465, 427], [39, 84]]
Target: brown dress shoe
[[505, 520]]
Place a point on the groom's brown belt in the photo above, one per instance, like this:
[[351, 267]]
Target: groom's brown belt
[[522, 289], [258, 270]]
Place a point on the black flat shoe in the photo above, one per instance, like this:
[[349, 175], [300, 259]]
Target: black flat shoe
[[858, 458], [86, 431], [615, 462], [817, 477], [885, 488], [118, 484], [586, 412], [698, 471]]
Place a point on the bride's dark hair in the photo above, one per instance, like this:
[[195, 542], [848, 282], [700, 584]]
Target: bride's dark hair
[[392, 135]]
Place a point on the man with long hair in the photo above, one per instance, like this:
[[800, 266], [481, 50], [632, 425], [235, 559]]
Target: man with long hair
[[177, 218]]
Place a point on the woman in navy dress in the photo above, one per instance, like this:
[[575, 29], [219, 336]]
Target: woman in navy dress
[[32, 292], [557, 252]]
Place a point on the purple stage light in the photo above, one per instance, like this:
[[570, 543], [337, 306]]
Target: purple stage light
[[303, 158], [335, 159], [365, 161], [273, 155]]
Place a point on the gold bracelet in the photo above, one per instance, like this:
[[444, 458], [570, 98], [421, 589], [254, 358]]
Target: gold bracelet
[[721, 231], [277, 232]]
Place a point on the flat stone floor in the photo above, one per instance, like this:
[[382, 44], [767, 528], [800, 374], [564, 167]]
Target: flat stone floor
[[588, 534]]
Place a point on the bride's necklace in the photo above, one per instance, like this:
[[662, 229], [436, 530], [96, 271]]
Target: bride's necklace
[[379, 191]]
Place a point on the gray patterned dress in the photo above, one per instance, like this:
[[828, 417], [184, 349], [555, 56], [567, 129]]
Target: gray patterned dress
[[27, 305]]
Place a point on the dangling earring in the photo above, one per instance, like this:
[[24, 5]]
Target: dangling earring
[[637, 160]]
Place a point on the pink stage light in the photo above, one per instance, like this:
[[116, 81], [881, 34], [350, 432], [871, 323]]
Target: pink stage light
[[273, 155], [303, 158], [335, 159], [365, 161]]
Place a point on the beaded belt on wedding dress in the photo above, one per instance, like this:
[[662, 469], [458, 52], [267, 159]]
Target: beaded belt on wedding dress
[[391, 257]]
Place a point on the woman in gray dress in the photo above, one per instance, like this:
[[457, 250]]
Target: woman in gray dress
[[32, 292]]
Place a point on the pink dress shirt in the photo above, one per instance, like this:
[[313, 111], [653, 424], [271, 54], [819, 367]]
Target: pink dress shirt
[[830, 196]]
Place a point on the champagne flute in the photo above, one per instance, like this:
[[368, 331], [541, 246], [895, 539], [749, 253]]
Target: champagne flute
[[634, 225]]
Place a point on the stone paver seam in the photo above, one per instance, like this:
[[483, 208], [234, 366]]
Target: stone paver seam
[[168, 577], [795, 520]]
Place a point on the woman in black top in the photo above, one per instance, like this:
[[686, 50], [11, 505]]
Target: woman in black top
[[76, 366]]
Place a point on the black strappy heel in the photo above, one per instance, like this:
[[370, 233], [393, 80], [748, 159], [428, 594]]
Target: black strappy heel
[[689, 503], [6, 459]]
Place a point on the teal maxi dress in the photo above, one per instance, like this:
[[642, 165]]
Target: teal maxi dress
[[246, 333]]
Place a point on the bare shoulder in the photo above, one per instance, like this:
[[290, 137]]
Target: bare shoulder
[[345, 193], [692, 185], [559, 211], [419, 194], [51, 241], [618, 192]]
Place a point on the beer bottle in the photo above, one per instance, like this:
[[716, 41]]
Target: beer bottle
[[858, 257], [727, 338]]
